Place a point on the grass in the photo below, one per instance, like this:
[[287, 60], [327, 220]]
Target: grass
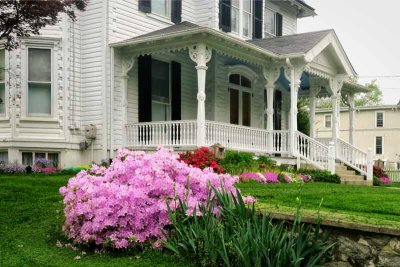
[[347, 203], [30, 223]]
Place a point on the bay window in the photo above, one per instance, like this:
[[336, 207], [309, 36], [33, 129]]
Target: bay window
[[39, 81], [2, 82]]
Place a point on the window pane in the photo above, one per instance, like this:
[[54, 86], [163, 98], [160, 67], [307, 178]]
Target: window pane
[[235, 20], [245, 82], [2, 65], [159, 111], [39, 98], [328, 121], [2, 98], [160, 7], [27, 158], [379, 119], [54, 158], [234, 106], [269, 21], [246, 24], [247, 6], [378, 145], [246, 113], [40, 155], [3, 157], [235, 79], [39, 69], [160, 81]]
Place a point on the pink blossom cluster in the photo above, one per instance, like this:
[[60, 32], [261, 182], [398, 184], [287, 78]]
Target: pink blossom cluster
[[385, 180], [126, 203], [268, 177]]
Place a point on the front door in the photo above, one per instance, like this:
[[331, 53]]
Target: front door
[[240, 100]]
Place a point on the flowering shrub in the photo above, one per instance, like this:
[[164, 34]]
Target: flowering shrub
[[12, 168], [126, 203], [202, 158], [378, 171], [258, 177], [272, 178], [43, 163]]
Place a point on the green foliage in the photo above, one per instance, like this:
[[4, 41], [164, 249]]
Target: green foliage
[[321, 176], [238, 162], [376, 181], [241, 237], [303, 116], [372, 98], [266, 161]]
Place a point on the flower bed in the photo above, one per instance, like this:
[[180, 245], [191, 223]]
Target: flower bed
[[272, 177]]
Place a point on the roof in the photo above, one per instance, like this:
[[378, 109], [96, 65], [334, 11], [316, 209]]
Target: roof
[[305, 4], [344, 109], [292, 44]]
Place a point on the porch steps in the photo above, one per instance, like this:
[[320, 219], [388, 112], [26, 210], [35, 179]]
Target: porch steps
[[349, 176]]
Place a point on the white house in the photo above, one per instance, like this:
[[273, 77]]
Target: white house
[[179, 73], [376, 127]]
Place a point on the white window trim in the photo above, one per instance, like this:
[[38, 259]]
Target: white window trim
[[241, 11], [376, 119], [383, 145], [325, 116], [242, 89], [6, 114], [25, 65], [169, 115], [265, 33]]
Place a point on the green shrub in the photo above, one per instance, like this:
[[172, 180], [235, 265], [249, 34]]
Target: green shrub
[[267, 161], [239, 236], [321, 176], [238, 162], [375, 181]]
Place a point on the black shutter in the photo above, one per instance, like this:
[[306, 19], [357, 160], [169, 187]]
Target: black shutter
[[176, 11], [175, 91], [257, 19], [279, 24], [225, 15], [144, 74], [145, 6]]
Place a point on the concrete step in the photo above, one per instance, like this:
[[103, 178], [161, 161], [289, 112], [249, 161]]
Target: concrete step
[[345, 172], [357, 182], [352, 177]]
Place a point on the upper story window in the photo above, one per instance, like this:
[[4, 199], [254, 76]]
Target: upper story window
[[2, 82], [273, 23], [241, 14], [379, 119], [170, 9], [328, 121], [39, 81]]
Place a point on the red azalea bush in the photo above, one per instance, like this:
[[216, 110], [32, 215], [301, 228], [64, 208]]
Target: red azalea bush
[[378, 171], [202, 158]]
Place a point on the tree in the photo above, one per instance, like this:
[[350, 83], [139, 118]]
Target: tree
[[303, 116], [23, 18]]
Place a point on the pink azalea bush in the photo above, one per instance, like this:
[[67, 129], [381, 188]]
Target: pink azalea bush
[[258, 177], [272, 178], [126, 203], [385, 180]]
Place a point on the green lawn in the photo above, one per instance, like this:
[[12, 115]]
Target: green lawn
[[368, 205], [30, 219]]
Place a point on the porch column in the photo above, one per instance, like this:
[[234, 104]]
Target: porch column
[[336, 85], [201, 55], [294, 71], [271, 74], [350, 99], [127, 65]]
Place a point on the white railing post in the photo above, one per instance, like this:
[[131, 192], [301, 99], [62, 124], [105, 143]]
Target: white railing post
[[201, 55], [370, 165], [331, 158]]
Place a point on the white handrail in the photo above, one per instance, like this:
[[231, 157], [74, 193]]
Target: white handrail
[[246, 138], [352, 156], [312, 151]]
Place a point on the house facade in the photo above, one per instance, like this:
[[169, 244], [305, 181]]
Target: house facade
[[178, 73], [376, 127]]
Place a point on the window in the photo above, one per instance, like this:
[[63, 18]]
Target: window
[[29, 158], [3, 157], [270, 18], [379, 119], [2, 82], [378, 145], [160, 88], [241, 17], [240, 99], [39, 81], [161, 7], [328, 121]]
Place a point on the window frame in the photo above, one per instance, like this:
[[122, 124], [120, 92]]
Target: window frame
[[5, 114], [240, 20], [168, 10], [382, 145], [169, 105], [5, 151], [46, 152], [325, 120], [376, 119], [52, 82], [265, 20]]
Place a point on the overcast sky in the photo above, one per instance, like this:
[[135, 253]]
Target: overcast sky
[[370, 33]]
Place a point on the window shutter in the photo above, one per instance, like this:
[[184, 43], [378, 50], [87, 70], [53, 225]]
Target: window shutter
[[225, 15], [176, 11], [145, 6], [175, 91], [279, 24], [257, 19], [144, 77]]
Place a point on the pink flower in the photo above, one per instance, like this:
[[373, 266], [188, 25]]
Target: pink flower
[[272, 178], [385, 180]]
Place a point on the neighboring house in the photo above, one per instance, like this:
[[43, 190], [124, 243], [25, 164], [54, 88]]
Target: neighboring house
[[376, 127], [181, 73]]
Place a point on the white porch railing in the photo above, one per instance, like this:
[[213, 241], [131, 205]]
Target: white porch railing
[[312, 151], [246, 138], [166, 133]]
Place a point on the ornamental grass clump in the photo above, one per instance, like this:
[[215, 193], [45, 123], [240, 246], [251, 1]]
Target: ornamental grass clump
[[125, 205]]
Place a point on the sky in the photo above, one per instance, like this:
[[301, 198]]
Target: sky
[[370, 34]]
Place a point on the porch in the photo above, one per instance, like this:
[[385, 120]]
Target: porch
[[239, 94]]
